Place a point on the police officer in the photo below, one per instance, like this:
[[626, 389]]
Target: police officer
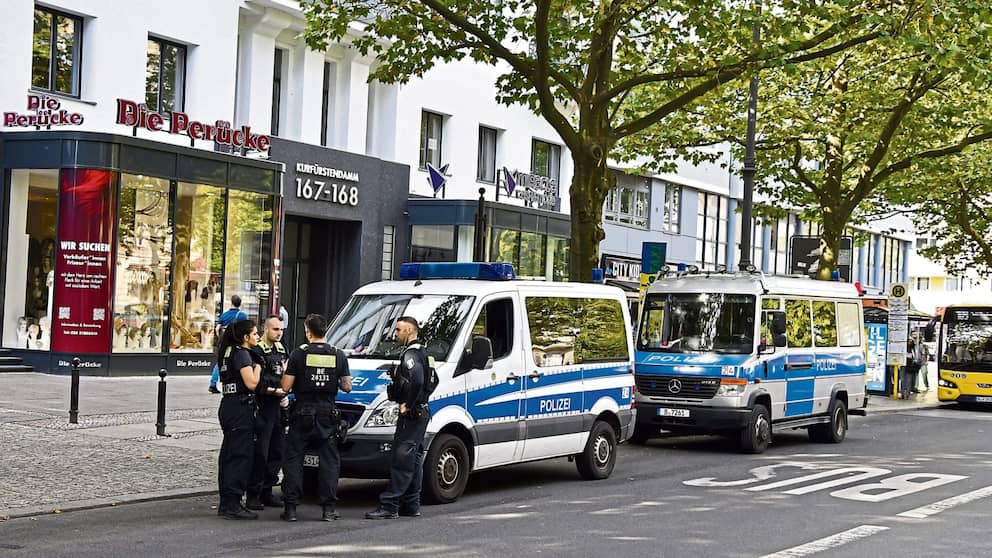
[[402, 496], [239, 373], [314, 373], [268, 423]]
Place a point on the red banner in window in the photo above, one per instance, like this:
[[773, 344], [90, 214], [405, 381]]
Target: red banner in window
[[82, 314]]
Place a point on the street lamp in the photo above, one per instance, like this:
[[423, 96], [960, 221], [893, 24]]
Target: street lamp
[[749, 162]]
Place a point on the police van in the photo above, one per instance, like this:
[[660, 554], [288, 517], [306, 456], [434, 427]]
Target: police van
[[744, 355], [528, 370]]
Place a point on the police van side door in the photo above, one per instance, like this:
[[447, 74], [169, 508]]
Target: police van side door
[[800, 357], [553, 392], [493, 395]]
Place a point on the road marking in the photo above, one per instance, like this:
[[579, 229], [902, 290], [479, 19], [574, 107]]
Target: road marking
[[827, 543], [937, 507]]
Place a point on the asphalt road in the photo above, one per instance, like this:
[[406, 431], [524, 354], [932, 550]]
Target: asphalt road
[[902, 485]]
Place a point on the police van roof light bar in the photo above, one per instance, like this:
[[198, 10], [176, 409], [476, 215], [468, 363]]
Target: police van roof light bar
[[491, 271]]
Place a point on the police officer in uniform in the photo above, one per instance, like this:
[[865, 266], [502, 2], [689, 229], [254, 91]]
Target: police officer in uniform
[[240, 370], [314, 373], [268, 423], [402, 496]]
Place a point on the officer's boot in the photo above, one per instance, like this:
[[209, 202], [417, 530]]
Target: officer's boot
[[253, 502], [289, 513], [329, 513]]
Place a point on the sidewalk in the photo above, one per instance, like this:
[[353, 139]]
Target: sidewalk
[[112, 455], [924, 400]]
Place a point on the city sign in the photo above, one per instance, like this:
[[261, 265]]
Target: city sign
[[130, 113], [48, 112], [332, 190]]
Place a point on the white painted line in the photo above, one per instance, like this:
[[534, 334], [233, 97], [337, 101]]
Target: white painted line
[[937, 507], [827, 543]]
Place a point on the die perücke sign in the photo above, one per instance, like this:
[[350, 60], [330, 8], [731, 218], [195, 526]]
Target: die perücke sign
[[130, 113]]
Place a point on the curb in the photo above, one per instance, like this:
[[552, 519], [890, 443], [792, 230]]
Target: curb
[[107, 502], [908, 407]]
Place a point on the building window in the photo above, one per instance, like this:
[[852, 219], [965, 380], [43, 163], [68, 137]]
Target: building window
[[55, 55], [545, 159], [165, 76], [952, 284], [923, 283], [486, 171], [387, 252], [432, 243], [325, 103], [711, 231], [670, 220], [628, 202], [430, 139], [276, 91]]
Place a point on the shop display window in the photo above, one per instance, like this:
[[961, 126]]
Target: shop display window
[[144, 258], [532, 253], [247, 268], [558, 258], [198, 266], [30, 272], [432, 243], [506, 247]]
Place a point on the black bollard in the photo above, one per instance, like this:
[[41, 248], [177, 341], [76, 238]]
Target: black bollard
[[160, 422], [74, 393]]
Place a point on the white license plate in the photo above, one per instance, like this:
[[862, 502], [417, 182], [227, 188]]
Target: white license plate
[[311, 460], [983, 399], [680, 413]]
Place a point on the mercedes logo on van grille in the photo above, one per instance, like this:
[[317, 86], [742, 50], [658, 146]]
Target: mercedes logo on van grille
[[675, 385]]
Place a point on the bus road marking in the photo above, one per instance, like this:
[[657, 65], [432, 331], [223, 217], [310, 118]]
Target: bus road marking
[[937, 507], [827, 543]]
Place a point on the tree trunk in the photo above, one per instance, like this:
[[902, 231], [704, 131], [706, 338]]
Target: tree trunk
[[590, 183], [834, 221]]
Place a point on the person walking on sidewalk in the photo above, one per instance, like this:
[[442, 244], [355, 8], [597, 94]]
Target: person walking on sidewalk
[[231, 315], [402, 496], [240, 372], [907, 379], [314, 374], [268, 423], [924, 358]]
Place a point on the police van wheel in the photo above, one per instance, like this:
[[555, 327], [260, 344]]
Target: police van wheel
[[446, 469], [600, 455], [758, 433], [834, 431]]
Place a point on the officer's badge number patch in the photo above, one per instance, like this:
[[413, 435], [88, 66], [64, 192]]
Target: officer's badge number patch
[[322, 361]]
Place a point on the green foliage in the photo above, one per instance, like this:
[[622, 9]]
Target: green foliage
[[620, 80], [797, 323], [825, 323]]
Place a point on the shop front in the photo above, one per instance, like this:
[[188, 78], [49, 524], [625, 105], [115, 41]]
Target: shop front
[[535, 241], [124, 251], [344, 226]]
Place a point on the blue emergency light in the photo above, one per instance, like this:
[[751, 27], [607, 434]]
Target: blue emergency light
[[492, 271]]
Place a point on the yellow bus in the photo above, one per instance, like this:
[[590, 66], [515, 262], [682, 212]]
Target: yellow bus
[[964, 354]]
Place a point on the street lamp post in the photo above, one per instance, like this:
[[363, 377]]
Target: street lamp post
[[749, 163]]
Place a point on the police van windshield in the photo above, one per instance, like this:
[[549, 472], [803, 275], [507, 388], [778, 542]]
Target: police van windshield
[[364, 327], [697, 322]]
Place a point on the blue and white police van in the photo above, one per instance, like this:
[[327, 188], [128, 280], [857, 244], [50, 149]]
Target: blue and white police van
[[528, 370], [744, 355]]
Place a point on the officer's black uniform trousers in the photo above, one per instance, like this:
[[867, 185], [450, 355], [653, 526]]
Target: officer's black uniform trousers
[[237, 420], [311, 425], [268, 447], [406, 472]]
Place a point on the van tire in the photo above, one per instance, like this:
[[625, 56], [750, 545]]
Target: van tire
[[446, 470], [756, 436], [600, 454], [835, 431]]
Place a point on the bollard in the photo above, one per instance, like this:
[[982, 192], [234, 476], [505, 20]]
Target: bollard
[[74, 393], [160, 422]]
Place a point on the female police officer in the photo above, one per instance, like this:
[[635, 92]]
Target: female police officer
[[240, 372]]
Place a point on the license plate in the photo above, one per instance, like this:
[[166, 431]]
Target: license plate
[[311, 460], [983, 399], [679, 413]]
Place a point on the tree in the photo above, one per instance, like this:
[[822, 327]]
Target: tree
[[606, 75], [949, 201], [841, 135]]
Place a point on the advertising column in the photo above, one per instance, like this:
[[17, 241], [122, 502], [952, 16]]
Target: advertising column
[[83, 268]]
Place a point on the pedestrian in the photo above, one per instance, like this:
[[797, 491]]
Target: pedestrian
[[313, 374], [402, 496], [231, 315], [269, 432], [907, 375], [240, 372], [924, 359]]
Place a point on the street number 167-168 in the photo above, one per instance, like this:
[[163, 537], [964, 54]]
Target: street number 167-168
[[320, 190]]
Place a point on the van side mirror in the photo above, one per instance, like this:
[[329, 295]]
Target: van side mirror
[[778, 323], [479, 357]]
